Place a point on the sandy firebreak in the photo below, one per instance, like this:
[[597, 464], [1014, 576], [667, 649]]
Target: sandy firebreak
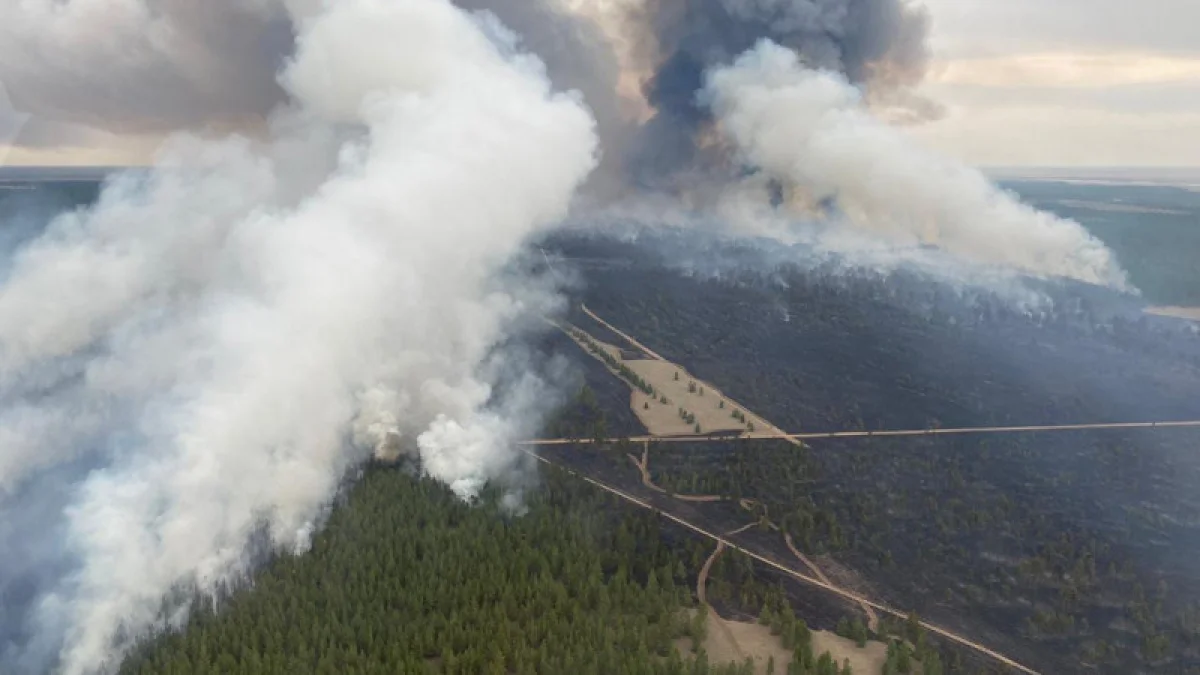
[[692, 406], [690, 403]]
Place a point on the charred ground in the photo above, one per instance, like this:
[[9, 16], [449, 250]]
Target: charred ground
[[1073, 551]]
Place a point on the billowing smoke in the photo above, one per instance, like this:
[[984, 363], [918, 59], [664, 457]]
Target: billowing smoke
[[824, 144], [808, 130], [136, 66], [195, 362], [877, 43], [578, 56]]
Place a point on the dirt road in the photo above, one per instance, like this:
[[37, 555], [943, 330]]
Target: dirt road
[[872, 617], [759, 436], [702, 578], [643, 466], [639, 346], [799, 576]]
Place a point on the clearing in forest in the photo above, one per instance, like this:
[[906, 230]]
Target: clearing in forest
[[727, 641], [678, 404], [735, 641]]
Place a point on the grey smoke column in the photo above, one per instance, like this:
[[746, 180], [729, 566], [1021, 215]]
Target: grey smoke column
[[236, 328], [578, 56], [880, 43]]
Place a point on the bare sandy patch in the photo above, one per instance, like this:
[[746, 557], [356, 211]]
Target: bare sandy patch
[[869, 659], [752, 640], [681, 405], [695, 398], [733, 641]]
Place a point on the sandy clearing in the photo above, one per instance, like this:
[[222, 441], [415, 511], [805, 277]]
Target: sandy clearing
[[660, 374], [719, 640], [682, 391], [867, 660], [1190, 313], [733, 641], [752, 640]]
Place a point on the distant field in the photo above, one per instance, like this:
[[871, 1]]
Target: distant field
[[1154, 229]]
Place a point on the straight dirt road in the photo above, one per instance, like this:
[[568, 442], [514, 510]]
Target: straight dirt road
[[637, 345], [760, 436]]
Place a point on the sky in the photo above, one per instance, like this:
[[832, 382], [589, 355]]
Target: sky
[[1022, 83], [1066, 83]]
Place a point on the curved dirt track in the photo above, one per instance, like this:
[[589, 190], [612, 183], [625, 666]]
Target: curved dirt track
[[872, 617], [799, 576], [643, 466]]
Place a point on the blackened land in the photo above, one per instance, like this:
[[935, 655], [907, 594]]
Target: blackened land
[[1073, 551]]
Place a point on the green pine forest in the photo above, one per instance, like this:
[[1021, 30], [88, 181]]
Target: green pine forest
[[406, 578]]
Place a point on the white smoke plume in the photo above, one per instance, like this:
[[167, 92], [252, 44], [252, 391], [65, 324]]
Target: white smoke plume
[[212, 337], [810, 130]]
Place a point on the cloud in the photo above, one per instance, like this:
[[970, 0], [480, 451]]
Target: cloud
[[11, 124], [1069, 70], [1076, 82], [986, 28]]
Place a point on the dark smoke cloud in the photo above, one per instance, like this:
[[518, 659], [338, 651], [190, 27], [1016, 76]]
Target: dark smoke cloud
[[133, 67], [136, 66], [879, 44]]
